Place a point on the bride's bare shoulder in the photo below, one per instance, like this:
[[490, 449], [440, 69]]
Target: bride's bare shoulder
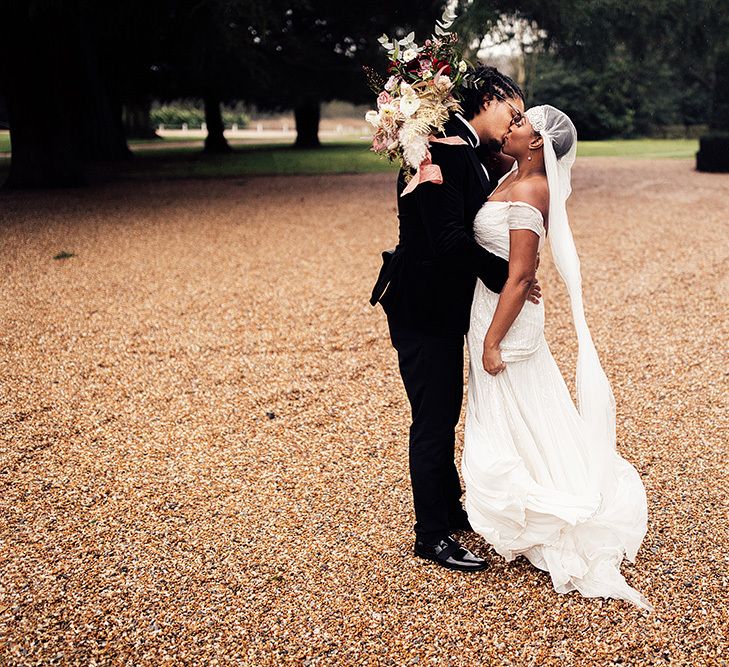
[[533, 191]]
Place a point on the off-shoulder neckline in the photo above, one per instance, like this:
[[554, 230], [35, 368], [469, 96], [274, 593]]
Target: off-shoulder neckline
[[517, 203]]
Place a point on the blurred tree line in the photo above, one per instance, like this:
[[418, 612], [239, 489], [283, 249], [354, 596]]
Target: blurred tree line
[[78, 77], [185, 112], [619, 69]]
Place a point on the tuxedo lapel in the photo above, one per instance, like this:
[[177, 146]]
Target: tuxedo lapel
[[480, 171], [456, 127]]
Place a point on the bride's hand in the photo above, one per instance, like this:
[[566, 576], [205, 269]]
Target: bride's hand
[[492, 362]]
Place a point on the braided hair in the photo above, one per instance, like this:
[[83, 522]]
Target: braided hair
[[485, 82]]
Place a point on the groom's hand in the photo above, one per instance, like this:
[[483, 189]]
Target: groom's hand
[[535, 292]]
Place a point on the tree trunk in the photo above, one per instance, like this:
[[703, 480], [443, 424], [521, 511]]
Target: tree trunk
[[100, 127], [307, 114], [713, 155], [59, 109], [215, 141], [137, 120], [40, 91], [720, 103], [44, 153], [3, 112]]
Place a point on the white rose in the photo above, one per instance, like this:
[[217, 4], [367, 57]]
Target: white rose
[[462, 66], [409, 54], [373, 118], [409, 101], [388, 109], [409, 104]]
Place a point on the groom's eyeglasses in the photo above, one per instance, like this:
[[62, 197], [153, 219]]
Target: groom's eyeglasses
[[517, 118]]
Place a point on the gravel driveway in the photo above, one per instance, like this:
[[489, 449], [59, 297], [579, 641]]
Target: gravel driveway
[[203, 453]]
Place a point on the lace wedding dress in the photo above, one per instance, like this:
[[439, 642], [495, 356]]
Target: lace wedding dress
[[531, 484]]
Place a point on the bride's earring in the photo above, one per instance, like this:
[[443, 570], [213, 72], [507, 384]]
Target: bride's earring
[[529, 157]]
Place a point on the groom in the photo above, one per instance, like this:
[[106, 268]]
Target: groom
[[426, 286]]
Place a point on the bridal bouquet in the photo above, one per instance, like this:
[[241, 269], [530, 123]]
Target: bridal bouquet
[[416, 100]]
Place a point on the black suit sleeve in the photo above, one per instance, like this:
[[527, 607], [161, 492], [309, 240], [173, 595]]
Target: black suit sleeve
[[442, 208]]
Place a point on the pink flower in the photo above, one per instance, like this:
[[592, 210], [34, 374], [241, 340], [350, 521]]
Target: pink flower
[[382, 99], [379, 142], [388, 122]]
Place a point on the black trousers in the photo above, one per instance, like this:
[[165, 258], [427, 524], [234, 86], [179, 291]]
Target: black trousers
[[431, 367]]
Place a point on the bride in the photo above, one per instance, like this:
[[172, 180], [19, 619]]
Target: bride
[[543, 480]]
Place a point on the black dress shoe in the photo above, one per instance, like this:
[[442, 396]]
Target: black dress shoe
[[449, 553]]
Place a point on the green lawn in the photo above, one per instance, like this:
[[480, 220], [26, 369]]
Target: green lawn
[[332, 158], [5, 141], [170, 160], [639, 148]]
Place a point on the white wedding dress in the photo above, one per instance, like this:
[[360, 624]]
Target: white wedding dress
[[529, 473]]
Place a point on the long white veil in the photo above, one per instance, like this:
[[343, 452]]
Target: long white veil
[[595, 399]]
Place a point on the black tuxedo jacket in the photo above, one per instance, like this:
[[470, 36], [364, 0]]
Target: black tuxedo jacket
[[426, 284]]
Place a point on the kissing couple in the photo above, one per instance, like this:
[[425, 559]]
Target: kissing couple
[[542, 479]]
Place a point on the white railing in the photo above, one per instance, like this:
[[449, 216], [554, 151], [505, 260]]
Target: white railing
[[285, 128]]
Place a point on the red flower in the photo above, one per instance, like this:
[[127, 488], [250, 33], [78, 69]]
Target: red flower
[[413, 65], [437, 64]]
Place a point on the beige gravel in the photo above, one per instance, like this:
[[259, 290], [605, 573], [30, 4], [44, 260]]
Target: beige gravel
[[204, 455]]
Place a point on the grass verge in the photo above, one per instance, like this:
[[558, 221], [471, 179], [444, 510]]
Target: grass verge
[[169, 159]]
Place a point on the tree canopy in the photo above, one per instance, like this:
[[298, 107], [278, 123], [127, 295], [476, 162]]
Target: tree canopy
[[619, 69], [71, 70]]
